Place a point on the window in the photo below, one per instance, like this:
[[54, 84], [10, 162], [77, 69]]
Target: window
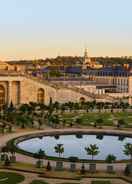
[[82, 100], [40, 96]]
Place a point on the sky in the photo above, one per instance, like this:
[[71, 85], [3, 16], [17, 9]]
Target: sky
[[32, 29]]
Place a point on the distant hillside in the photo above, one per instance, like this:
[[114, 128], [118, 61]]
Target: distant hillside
[[114, 60], [70, 60], [65, 60]]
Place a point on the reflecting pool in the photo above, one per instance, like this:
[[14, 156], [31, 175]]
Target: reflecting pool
[[74, 145]]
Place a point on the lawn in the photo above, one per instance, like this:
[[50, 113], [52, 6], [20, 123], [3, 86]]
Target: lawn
[[91, 117], [38, 182], [10, 178], [101, 182]]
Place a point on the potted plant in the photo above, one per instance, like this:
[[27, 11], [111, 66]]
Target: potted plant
[[40, 156], [128, 152], [110, 159], [92, 150], [73, 161], [59, 149]]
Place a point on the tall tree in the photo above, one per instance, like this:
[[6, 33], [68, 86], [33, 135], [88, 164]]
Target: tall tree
[[128, 150], [59, 149], [92, 150], [99, 122]]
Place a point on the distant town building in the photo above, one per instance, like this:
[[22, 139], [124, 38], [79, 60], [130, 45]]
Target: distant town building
[[23, 82], [90, 62]]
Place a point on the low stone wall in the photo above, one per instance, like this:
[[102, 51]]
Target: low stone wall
[[14, 142]]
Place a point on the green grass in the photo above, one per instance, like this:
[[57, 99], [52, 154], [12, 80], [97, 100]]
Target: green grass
[[38, 182], [101, 182], [10, 178], [91, 117]]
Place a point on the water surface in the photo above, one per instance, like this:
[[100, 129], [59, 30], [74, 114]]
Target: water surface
[[74, 146]]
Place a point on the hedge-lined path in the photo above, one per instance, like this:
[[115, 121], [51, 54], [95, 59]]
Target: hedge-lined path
[[29, 177]]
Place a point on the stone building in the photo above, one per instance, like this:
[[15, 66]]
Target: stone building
[[102, 84], [90, 62], [118, 77], [19, 88]]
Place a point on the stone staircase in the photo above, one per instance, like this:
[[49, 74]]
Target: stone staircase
[[89, 94], [73, 88]]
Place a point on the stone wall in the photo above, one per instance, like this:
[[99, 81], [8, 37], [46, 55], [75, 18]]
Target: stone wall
[[29, 89], [21, 89], [65, 95]]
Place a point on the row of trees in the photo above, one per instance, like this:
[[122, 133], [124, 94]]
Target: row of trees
[[7, 155], [26, 114], [92, 150], [69, 106], [89, 106]]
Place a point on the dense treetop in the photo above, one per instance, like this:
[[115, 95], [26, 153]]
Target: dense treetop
[[70, 60]]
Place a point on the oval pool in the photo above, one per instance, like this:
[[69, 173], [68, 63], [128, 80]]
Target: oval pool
[[75, 145]]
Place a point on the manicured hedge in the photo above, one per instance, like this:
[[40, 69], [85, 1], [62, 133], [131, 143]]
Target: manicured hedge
[[10, 178]]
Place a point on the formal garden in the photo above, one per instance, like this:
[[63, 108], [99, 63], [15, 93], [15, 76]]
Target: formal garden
[[55, 116]]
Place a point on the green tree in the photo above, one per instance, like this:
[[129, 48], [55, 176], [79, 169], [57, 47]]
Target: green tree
[[56, 106], [23, 120], [11, 108], [76, 106], [40, 155], [54, 119], [110, 158], [100, 106], [70, 106], [63, 108], [40, 123], [99, 122], [24, 108], [93, 105], [128, 150], [92, 150], [78, 121], [59, 149], [3, 127], [120, 123], [87, 106], [124, 106], [50, 107]]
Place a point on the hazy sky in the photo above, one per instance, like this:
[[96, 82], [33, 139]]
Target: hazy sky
[[47, 28]]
